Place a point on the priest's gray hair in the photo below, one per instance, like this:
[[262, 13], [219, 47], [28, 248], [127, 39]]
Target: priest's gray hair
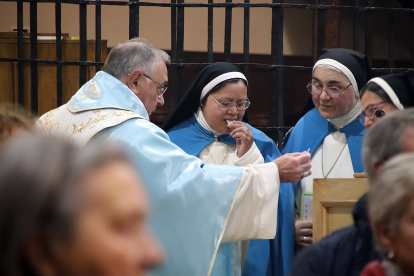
[[136, 53], [391, 194], [385, 139], [42, 193]]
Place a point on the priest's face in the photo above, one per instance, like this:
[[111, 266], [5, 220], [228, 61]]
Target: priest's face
[[330, 107], [148, 89], [217, 117], [110, 235]]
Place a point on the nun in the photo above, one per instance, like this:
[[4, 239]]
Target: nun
[[210, 122], [331, 131], [385, 94]]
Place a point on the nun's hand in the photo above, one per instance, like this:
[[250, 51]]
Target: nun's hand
[[243, 135]]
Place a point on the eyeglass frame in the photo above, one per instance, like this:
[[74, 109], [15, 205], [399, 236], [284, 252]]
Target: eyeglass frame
[[364, 115], [247, 102], [334, 95], [162, 88]]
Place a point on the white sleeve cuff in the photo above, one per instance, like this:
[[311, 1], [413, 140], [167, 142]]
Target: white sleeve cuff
[[252, 156], [254, 213]]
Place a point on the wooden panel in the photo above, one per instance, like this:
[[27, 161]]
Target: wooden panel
[[333, 201], [47, 79]]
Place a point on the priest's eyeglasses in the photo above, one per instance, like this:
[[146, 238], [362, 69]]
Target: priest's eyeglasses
[[333, 92], [161, 89], [229, 105], [371, 111]]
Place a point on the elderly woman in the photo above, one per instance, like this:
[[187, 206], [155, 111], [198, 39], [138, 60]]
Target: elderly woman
[[66, 210], [386, 94], [391, 211], [209, 123]]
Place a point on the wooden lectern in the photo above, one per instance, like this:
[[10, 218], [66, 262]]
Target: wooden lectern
[[333, 201]]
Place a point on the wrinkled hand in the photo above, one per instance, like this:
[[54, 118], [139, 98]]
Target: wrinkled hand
[[303, 232], [243, 135], [292, 166]]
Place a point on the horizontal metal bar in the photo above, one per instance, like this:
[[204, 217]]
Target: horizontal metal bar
[[46, 61], [223, 5], [200, 65]]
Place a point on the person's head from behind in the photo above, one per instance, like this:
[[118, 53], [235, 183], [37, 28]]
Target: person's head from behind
[[391, 211], [336, 78], [142, 67], [66, 210], [388, 137], [385, 94], [219, 92], [14, 120]]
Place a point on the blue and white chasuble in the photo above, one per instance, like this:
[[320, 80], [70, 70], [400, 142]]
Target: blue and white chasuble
[[190, 200]]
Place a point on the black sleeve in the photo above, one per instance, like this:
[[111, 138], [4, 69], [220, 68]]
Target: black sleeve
[[331, 256]]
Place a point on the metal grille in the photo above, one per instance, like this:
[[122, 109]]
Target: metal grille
[[325, 11]]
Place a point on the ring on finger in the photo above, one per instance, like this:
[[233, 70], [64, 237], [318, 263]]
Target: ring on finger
[[305, 174], [305, 238], [245, 133]]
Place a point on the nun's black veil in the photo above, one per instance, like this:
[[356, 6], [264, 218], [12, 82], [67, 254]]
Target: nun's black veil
[[191, 100]]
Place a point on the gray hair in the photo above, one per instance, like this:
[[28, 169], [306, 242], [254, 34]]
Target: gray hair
[[136, 53], [385, 138], [41, 193], [392, 192]]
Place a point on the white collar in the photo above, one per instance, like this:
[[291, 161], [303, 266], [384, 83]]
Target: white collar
[[202, 121], [347, 118]]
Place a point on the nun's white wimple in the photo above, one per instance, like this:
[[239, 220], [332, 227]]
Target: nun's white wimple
[[390, 92], [221, 78], [343, 69]]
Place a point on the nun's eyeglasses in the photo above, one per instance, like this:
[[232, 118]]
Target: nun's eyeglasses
[[229, 105], [333, 92], [161, 89], [370, 112]]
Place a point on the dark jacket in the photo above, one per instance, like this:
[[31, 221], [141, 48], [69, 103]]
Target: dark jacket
[[344, 252]]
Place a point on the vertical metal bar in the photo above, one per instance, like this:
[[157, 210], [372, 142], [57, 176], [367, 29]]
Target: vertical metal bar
[[320, 44], [59, 70], [83, 43], [210, 33], [20, 54], [412, 38], [227, 32], [355, 35], [173, 69], [246, 39], [33, 55], [180, 49], [368, 31], [276, 103], [391, 37], [332, 28], [134, 19], [98, 35]]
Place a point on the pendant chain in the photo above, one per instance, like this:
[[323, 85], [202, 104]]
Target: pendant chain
[[224, 157], [323, 173]]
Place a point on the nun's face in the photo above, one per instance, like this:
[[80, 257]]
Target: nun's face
[[328, 107], [371, 102], [216, 117]]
